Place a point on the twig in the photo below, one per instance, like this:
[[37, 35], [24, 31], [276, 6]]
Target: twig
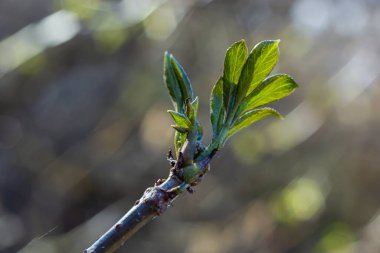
[[243, 87], [153, 203]]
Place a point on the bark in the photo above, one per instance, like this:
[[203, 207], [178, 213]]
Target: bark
[[153, 203]]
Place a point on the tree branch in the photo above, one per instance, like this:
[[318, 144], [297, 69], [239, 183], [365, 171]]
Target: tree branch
[[244, 86], [153, 203]]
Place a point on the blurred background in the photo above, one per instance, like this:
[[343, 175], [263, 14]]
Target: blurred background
[[84, 128]]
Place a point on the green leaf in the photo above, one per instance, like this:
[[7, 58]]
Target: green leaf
[[259, 64], [233, 64], [234, 61], [172, 83], [182, 78], [250, 117], [180, 119], [192, 109], [271, 89], [179, 140], [180, 129], [216, 107], [265, 56], [195, 105], [245, 78]]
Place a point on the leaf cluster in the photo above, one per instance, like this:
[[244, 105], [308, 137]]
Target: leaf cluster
[[236, 98], [185, 104], [245, 86]]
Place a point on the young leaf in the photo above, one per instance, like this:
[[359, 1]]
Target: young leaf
[[180, 129], [172, 83], [195, 104], [245, 78], [182, 79], [179, 140], [250, 117], [271, 89], [259, 64], [216, 110], [265, 56], [233, 64], [234, 61], [192, 109], [180, 119]]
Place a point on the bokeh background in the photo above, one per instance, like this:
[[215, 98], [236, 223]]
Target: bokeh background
[[84, 128]]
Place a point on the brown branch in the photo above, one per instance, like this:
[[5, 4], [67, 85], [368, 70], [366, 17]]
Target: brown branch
[[153, 203]]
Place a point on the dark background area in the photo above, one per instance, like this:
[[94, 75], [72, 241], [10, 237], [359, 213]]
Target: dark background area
[[84, 128]]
